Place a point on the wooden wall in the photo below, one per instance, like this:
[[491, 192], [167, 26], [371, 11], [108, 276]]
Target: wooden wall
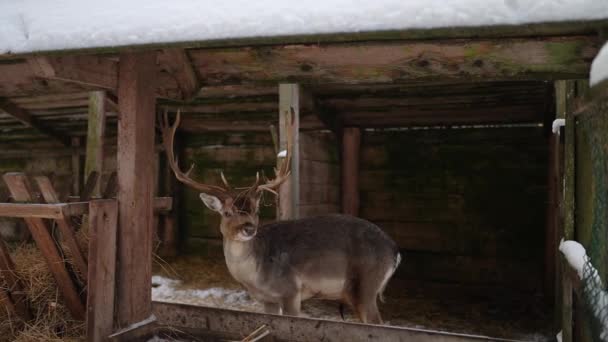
[[319, 174], [467, 205]]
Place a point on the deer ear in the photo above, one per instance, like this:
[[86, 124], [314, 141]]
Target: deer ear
[[211, 202]]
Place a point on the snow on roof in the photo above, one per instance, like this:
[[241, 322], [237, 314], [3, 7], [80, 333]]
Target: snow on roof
[[42, 25], [599, 67]]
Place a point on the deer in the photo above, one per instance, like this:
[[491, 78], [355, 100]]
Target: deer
[[333, 257]]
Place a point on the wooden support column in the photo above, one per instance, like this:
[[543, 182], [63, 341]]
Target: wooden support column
[[351, 145], [76, 166], [102, 263], [289, 113], [95, 137], [21, 191], [136, 102]]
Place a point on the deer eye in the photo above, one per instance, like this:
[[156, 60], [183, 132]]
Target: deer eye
[[227, 214]]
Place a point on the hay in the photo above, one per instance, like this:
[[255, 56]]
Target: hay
[[52, 321]]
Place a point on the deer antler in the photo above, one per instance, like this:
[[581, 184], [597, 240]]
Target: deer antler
[[168, 136], [284, 170]]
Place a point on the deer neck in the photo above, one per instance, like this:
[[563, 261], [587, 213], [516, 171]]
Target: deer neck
[[240, 260]]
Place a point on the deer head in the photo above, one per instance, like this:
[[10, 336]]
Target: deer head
[[239, 207]]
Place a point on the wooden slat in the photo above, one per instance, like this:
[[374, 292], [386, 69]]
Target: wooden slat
[[65, 227], [76, 166], [47, 211], [289, 113], [136, 101], [176, 63], [20, 190], [27, 119], [351, 147], [89, 186], [111, 186], [102, 262], [95, 137], [15, 294], [501, 59], [81, 69]]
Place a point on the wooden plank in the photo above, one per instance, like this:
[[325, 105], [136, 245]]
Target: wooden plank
[[95, 137], [14, 293], [233, 325], [81, 69], [89, 186], [176, 63], [289, 113], [21, 191], [136, 101], [65, 227], [504, 59], [111, 186], [47, 211], [102, 262], [351, 148], [27, 119], [76, 166]]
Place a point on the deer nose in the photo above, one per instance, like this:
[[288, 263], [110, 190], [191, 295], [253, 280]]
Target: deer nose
[[249, 229]]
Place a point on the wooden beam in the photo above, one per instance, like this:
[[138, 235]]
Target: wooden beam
[[102, 263], [96, 137], [289, 113], [76, 166], [82, 69], [351, 146], [500, 59], [176, 63], [27, 119], [46, 211], [21, 191], [15, 293], [65, 227], [136, 100]]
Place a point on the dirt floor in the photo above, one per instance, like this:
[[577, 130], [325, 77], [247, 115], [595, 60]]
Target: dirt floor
[[444, 307]]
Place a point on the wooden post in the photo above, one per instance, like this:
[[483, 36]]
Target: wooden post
[[21, 191], [169, 186], [351, 145], [289, 112], [565, 92], [76, 166], [136, 101], [65, 227], [102, 263], [95, 137]]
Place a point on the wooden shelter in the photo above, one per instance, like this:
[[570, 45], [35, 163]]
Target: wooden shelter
[[367, 105]]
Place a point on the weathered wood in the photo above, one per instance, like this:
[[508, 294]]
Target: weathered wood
[[76, 166], [102, 262], [89, 186], [15, 295], [169, 187], [47, 211], [65, 227], [351, 145], [21, 191], [95, 137], [136, 100], [81, 69], [233, 325], [553, 216], [27, 119], [504, 59], [176, 63], [111, 186], [289, 114]]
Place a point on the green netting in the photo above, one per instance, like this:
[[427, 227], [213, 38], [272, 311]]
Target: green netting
[[595, 299]]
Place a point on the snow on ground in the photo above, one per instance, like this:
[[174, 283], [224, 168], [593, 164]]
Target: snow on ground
[[599, 67], [172, 291], [41, 25]]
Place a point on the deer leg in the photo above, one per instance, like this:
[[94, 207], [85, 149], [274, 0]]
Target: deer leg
[[291, 305], [272, 308]]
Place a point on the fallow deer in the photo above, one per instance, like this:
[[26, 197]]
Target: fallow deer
[[336, 257]]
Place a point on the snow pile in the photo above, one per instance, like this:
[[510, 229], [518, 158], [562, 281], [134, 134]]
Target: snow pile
[[40, 25], [169, 290], [575, 254], [599, 67]]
